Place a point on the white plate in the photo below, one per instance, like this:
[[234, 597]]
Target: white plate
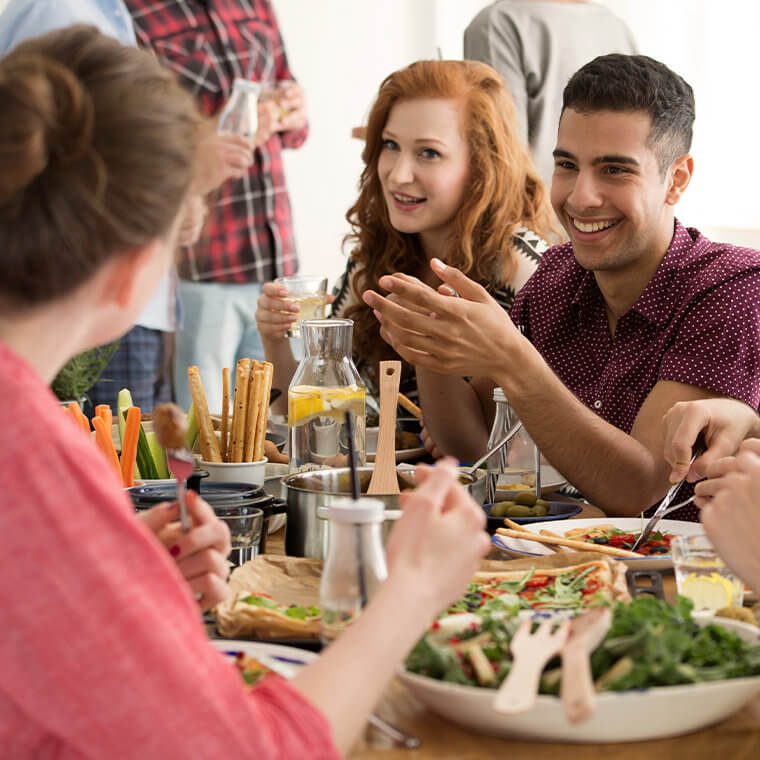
[[551, 480], [620, 716], [632, 524], [286, 661]]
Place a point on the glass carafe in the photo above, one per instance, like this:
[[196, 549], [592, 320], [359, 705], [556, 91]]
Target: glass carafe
[[325, 386], [240, 114]]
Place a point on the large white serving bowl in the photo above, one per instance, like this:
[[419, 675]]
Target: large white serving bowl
[[620, 716]]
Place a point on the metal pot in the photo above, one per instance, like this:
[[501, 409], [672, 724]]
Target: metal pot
[[306, 492]]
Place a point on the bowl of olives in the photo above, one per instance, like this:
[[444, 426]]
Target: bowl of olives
[[525, 507]]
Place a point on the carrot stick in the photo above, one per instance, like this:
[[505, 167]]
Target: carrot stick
[[129, 446], [104, 411], [105, 441], [76, 414]]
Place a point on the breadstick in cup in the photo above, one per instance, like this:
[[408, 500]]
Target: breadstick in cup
[[225, 414], [255, 389], [261, 425], [206, 435], [240, 405]]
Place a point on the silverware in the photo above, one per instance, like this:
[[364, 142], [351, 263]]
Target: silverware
[[508, 436], [664, 505], [181, 465], [398, 736]]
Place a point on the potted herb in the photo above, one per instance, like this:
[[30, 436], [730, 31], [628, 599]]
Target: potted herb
[[81, 372]]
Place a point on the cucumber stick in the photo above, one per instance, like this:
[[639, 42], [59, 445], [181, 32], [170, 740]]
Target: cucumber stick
[[192, 428], [145, 462], [159, 455], [123, 402]]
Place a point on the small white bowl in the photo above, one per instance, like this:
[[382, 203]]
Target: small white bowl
[[236, 472]]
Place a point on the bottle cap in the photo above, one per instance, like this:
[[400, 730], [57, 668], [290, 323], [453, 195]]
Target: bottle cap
[[498, 395], [362, 511]]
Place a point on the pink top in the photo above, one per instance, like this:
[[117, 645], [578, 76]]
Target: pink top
[[102, 654]]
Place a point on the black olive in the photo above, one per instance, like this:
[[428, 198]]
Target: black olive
[[600, 540], [659, 550]]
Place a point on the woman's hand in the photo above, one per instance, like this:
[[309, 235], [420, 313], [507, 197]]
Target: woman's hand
[[275, 313], [429, 443], [201, 553], [724, 423], [440, 538], [730, 502]]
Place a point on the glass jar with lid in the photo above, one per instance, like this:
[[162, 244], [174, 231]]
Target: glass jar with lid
[[325, 386], [355, 565]]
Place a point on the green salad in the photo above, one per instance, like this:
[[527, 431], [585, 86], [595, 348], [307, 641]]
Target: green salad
[[650, 643]]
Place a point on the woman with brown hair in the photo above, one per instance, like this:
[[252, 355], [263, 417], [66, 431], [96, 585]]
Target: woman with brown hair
[[103, 654], [446, 177]]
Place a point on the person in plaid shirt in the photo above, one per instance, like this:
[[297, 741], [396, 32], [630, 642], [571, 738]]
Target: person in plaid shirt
[[248, 239]]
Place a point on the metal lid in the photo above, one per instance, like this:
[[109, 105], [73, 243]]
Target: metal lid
[[362, 511], [214, 493], [498, 395]]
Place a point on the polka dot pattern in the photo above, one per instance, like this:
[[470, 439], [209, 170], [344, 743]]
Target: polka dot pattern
[[697, 322]]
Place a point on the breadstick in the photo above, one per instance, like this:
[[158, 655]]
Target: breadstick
[[255, 389], [516, 526], [410, 406], [261, 425], [240, 404], [225, 414], [206, 435], [613, 551]]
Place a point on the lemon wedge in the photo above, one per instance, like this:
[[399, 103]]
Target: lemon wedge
[[305, 402], [708, 592]]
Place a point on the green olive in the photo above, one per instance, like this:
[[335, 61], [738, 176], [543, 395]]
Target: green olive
[[528, 498], [542, 503], [541, 510], [498, 510], [519, 510]]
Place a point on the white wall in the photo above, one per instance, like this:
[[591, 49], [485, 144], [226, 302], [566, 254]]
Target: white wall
[[341, 49]]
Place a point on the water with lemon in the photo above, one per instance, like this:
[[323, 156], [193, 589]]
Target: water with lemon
[[325, 386], [702, 576]]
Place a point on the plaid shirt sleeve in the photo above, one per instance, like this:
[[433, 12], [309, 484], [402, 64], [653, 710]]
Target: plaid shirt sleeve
[[249, 233]]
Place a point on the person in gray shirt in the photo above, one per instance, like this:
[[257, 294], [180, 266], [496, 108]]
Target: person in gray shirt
[[537, 45]]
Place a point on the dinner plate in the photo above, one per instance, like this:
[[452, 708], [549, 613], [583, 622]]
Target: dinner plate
[[528, 548], [284, 660], [558, 510], [624, 716], [551, 480]]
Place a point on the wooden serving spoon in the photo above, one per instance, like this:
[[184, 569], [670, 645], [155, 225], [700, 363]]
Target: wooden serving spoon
[[384, 479]]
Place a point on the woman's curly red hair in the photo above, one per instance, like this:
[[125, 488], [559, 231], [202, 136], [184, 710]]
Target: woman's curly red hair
[[503, 190]]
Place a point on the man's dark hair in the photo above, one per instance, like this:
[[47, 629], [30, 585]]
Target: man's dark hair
[[637, 83]]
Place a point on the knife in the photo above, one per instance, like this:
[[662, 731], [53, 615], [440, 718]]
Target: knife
[[699, 449]]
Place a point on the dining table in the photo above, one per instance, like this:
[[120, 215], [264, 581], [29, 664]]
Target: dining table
[[736, 738]]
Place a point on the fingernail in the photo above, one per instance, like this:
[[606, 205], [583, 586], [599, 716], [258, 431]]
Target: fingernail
[[174, 551], [376, 313], [437, 264]]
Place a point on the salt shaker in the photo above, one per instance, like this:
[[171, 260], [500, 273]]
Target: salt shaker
[[240, 114], [355, 565]]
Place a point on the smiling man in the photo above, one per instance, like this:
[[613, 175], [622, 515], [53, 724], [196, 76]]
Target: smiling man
[[634, 314]]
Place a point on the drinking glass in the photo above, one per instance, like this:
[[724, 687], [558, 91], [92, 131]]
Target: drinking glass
[[702, 576], [310, 293], [245, 524], [240, 113]]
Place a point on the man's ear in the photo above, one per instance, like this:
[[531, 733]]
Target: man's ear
[[679, 176], [123, 274]]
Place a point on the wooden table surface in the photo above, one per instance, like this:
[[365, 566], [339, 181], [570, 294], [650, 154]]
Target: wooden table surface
[[736, 738]]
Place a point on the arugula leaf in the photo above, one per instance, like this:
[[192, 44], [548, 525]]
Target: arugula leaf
[[301, 613], [260, 601]]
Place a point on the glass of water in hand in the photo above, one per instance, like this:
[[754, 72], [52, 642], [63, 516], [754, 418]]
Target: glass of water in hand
[[310, 293]]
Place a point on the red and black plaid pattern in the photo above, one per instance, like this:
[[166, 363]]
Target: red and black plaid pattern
[[208, 44]]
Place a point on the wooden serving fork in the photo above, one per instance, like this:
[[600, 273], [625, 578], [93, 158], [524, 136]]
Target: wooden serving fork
[[531, 652], [577, 688]]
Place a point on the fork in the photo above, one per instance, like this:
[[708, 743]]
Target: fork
[[530, 654], [180, 462]]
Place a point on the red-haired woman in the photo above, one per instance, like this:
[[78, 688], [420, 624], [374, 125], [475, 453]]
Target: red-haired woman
[[446, 176]]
